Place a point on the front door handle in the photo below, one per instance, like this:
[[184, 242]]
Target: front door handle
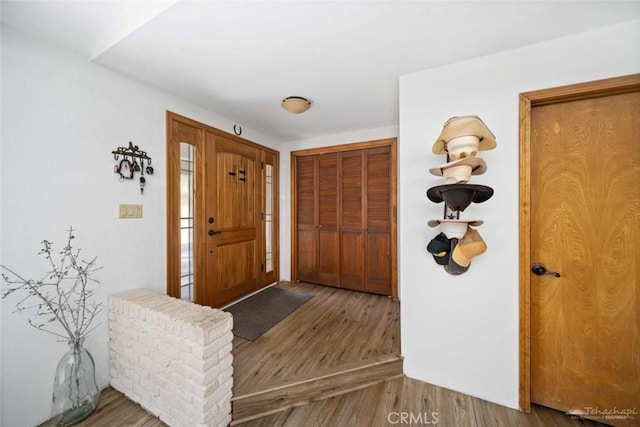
[[539, 269], [213, 232]]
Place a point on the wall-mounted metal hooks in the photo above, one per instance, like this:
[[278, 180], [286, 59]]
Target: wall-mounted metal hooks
[[237, 129], [126, 168], [131, 151]]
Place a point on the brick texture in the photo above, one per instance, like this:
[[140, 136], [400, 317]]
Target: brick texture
[[172, 357]]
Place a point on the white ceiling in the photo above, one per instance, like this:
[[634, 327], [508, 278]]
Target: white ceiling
[[240, 58]]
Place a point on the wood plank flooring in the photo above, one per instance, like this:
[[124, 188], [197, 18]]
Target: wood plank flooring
[[379, 405], [275, 397], [116, 410], [336, 328], [388, 403], [333, 328]]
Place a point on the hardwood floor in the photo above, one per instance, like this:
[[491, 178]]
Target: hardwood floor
[[333, 328], [116, 410], [339, 328], [380, 405], [388, 403]]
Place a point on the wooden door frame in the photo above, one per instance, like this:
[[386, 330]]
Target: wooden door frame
[[387, 142], [593, 89], [172, 200]]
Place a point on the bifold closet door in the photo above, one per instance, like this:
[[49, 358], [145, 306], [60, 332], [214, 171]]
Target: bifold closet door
[[352, 230], [317, 218], [378, 210], [365, 220], [328, 243], [306, 218], [343, 214]]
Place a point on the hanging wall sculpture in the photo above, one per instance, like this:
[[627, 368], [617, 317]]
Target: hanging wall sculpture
[[130, 160], [458, 242]]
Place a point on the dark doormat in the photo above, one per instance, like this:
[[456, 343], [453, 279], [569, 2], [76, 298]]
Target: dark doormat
[[257, 314]]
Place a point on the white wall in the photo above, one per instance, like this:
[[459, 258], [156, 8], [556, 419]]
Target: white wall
[[285, 183], [462, 332], [1, 133], [62, 116]]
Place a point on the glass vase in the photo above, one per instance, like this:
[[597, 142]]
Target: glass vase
[[75, 393]]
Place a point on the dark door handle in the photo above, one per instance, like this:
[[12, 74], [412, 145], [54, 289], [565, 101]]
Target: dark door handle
[[213, 232], [539, 269]]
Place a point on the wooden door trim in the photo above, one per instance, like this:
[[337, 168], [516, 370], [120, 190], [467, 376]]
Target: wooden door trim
[[528, 100], [387, 142], [172, 196], [346, 147]]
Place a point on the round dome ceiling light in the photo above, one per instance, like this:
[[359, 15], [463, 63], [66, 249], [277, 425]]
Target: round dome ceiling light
[[296, 104]]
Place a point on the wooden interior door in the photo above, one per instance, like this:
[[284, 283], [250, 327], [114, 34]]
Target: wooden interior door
[[585, 224], [233, 220]]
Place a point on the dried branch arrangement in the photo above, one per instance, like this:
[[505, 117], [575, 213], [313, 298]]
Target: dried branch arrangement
[[62, 295]]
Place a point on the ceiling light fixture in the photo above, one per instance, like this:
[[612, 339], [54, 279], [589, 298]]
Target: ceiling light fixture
[[296, 104]]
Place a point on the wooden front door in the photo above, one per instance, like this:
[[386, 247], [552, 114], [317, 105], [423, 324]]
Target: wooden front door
[[233, 220], [222, 214], [585, 225]]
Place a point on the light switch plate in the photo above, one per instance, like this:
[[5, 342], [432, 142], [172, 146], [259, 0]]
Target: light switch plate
[[130, 211]]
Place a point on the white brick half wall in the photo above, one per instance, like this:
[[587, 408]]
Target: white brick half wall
[[172, 357]]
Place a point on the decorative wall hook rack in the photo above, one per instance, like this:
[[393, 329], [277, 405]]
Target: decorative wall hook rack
[[130, 160], [131, 151]]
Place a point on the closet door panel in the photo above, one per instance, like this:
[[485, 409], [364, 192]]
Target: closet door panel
[[307, 232], [351, 189], [328, 242], [378, 263], [327, 272], [352, 219], [328, 191], [379, 189], [352, 260], [378, 221], [307, 255]]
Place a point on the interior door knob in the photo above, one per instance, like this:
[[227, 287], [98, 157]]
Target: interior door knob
[[539, 269]]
